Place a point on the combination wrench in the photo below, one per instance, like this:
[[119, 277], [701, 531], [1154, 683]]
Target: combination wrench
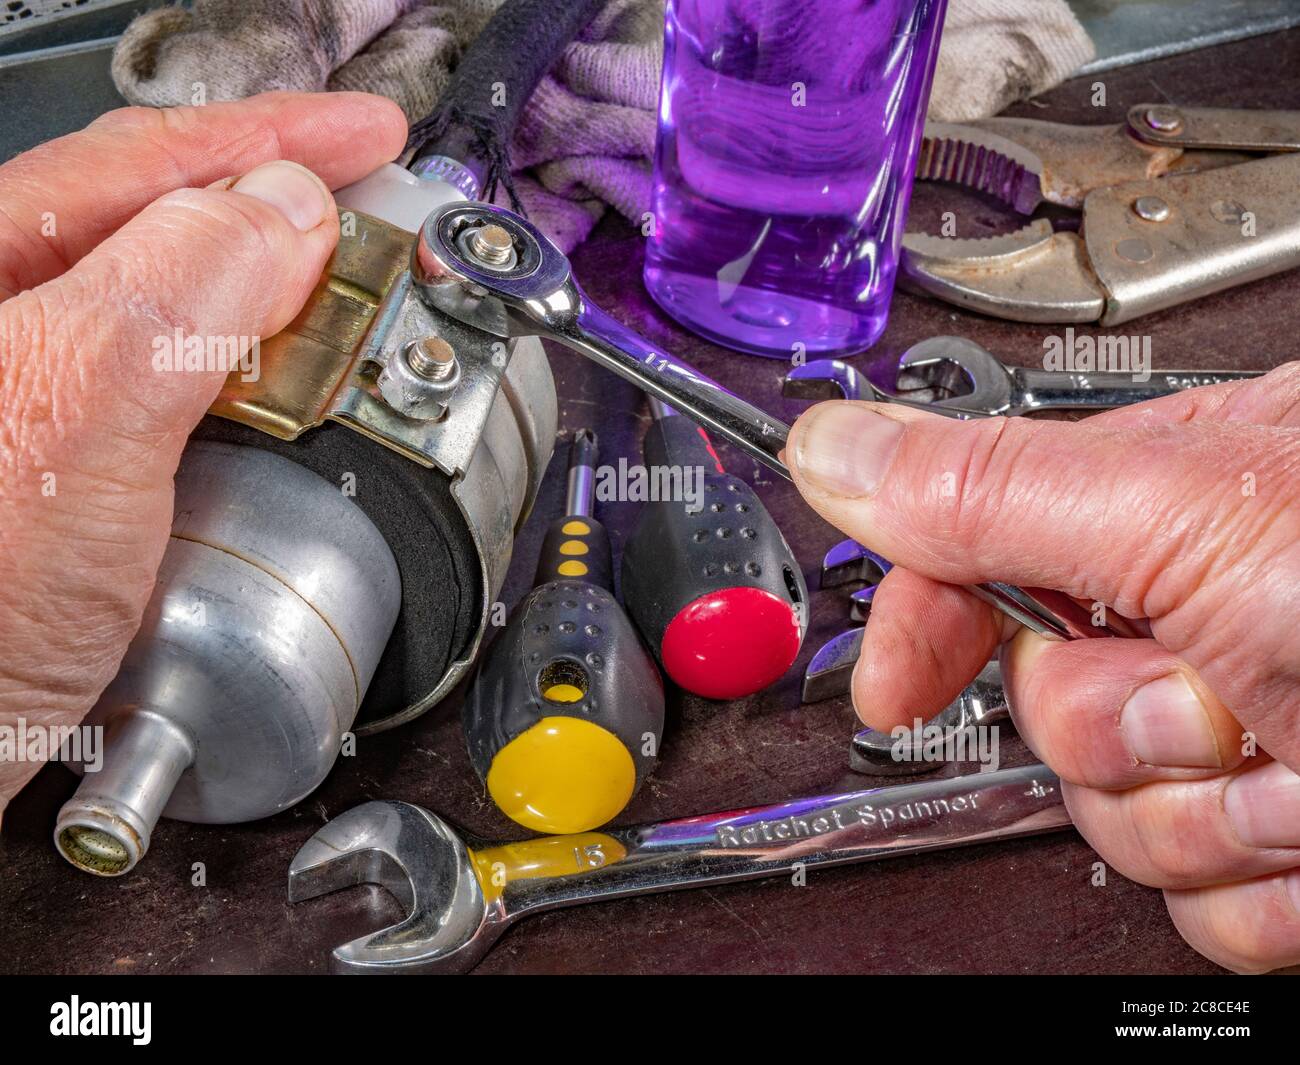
[[461, 893], [491, 269], [974, 381], [960, 378]]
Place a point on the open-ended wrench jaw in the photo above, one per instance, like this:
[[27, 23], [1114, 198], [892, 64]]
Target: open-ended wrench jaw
[[958, 375], [824, 379], [424, 864], [982, 702], [831, 670]]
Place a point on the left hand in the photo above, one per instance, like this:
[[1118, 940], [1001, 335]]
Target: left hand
[[213, 221]]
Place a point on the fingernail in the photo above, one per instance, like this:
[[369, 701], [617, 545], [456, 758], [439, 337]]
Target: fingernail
[[293, 190], [1293, 889], [845, 449], [1263, 807], [1166, 724]]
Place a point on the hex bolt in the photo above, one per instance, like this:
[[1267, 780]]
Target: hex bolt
[[492, 244], [432, 358], [1164, 119], [1151, 208]]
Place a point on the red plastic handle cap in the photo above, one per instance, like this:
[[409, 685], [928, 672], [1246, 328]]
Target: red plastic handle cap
[[731, 643]]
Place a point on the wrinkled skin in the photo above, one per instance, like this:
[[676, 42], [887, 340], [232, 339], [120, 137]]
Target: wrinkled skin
[[1185, 511], [1142, 509], [109, 238]]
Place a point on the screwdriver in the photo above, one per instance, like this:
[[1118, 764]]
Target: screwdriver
[[714, 589], [564, 718]]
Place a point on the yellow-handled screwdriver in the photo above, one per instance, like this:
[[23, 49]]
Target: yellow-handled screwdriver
[[565, 715]]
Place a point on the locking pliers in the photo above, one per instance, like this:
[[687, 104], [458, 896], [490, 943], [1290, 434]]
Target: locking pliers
[[1176, 203]]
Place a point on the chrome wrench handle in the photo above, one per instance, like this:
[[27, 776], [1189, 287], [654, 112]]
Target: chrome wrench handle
[[612, 345], [491, 269], [824, 830], [532, 292], [460, 893]]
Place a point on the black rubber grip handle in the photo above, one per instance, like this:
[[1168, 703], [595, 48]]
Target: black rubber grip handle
[[678, 441], [576, 548], [689, 571], [570, 633], [476, 117]]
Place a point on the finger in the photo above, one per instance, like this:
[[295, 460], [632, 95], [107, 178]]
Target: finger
[[91, 431], [1251, 927], [1272, 399], [923, 643], [1117, 713], [1024, 500], [1194, 526], [1193, 833], [63, 198]]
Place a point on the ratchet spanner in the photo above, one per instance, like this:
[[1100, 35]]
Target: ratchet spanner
[[491, 269], [460, 893]]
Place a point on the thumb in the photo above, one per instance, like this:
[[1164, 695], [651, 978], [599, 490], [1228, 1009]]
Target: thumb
[[237, 259], [1183, 523], [92, 427]]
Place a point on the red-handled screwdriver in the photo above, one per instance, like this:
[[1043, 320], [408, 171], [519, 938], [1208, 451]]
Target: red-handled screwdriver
[[713, 586]]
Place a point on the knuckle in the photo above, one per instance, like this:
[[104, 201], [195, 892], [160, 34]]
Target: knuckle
[[38, 388], [974, 481]]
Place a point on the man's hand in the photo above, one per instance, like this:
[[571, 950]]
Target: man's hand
[[215, 221], [1181, 752]]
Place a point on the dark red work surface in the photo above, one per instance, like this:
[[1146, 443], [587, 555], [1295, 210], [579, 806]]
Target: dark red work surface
[[1025, 906]]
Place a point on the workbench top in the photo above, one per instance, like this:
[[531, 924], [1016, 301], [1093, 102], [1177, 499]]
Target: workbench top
[[1026, 906]]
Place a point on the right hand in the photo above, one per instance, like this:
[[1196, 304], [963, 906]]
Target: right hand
[[1186, 511]]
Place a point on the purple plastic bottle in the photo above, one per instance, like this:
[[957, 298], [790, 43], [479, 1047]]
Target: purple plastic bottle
[[788, 133]]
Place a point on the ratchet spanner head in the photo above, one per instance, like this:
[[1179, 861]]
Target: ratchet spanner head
[[489, 268]]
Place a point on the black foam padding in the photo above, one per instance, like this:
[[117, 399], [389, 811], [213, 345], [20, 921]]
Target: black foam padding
[[413, 509]]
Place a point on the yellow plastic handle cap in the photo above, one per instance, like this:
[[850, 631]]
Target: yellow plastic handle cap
[[562, 775]]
